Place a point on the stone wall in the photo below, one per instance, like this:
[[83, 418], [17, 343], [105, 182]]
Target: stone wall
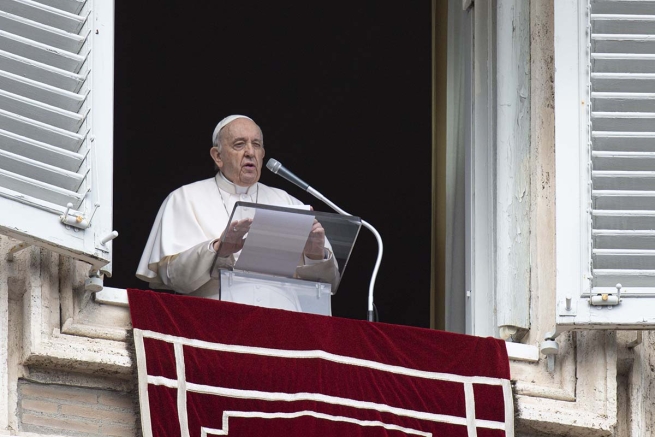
[[75, 411], [66, 360]]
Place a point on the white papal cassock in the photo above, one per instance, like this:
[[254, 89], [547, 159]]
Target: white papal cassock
[[179, 254]]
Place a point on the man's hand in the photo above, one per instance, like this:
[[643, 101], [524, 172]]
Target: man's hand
[[233, 241], [315, 246]]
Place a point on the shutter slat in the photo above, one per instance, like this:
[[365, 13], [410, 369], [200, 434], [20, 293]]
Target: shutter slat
[[72, 6], [618, 199], [623, 220], [623, 161], [38, 151], [41, 92], [41, 33], [624, 82], [623, 7], [614, 43], [623, 101], [622, 23], [621, 63], [623, 121], [41, 52], [625, 277], [623, 141], [624, 259], [40, 131], [617, 239], [23, 186], [44, 14], [623, 180], [41, 72], [41, 172], [51, 115]]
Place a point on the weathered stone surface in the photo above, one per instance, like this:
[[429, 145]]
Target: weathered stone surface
[[75, 378]]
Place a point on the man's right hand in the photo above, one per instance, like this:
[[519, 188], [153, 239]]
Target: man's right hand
[[233, 241], [315, 246]]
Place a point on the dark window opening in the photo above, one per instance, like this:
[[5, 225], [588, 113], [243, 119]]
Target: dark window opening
[[342, 91]]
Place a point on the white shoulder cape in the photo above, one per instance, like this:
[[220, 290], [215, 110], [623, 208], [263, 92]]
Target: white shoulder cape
[[194, 214]]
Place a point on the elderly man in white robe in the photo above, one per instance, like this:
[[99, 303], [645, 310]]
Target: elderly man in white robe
[[186, 242]]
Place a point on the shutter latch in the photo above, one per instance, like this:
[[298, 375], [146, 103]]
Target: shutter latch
[[77, 220], [607, 299]]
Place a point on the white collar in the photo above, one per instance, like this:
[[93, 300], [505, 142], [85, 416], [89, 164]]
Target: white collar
[[226, 185]]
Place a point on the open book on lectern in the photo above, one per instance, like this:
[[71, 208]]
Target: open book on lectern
[[272, 270]]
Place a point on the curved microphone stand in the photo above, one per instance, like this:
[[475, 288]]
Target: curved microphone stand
[[277, 168], [370, 313]]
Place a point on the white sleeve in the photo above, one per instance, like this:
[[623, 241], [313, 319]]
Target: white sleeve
[[191, 269], [325, 270]]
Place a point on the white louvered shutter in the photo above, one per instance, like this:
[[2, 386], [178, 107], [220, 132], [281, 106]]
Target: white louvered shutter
[[56, 124], [623, 145], [617, 161]]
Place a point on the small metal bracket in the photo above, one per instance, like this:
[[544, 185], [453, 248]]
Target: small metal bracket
[[550, 348], [568, 307], [108, 238], [103, 243], [16, 248], [94, 282]]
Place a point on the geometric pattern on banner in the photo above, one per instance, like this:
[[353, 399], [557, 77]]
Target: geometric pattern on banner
[[194, 387]]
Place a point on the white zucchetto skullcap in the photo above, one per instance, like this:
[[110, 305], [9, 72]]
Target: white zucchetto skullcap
[[224, 122]]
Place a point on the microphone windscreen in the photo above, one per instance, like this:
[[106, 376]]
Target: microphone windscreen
[[273, 165]]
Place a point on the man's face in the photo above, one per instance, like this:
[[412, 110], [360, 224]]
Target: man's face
[[242, 152]]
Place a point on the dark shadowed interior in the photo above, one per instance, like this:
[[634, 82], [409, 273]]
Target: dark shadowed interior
[[342, 93]]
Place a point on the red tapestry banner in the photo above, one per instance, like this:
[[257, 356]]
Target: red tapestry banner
[[211, 368]]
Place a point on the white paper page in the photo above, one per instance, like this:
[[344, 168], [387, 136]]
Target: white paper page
[[275, 242]]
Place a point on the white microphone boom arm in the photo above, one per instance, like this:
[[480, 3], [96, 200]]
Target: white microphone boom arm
[[276, 167], [370, 313]]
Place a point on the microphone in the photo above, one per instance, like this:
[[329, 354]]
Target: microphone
[[276, 167]]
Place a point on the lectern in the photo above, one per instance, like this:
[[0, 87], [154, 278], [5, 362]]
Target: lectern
[[271, 269]]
